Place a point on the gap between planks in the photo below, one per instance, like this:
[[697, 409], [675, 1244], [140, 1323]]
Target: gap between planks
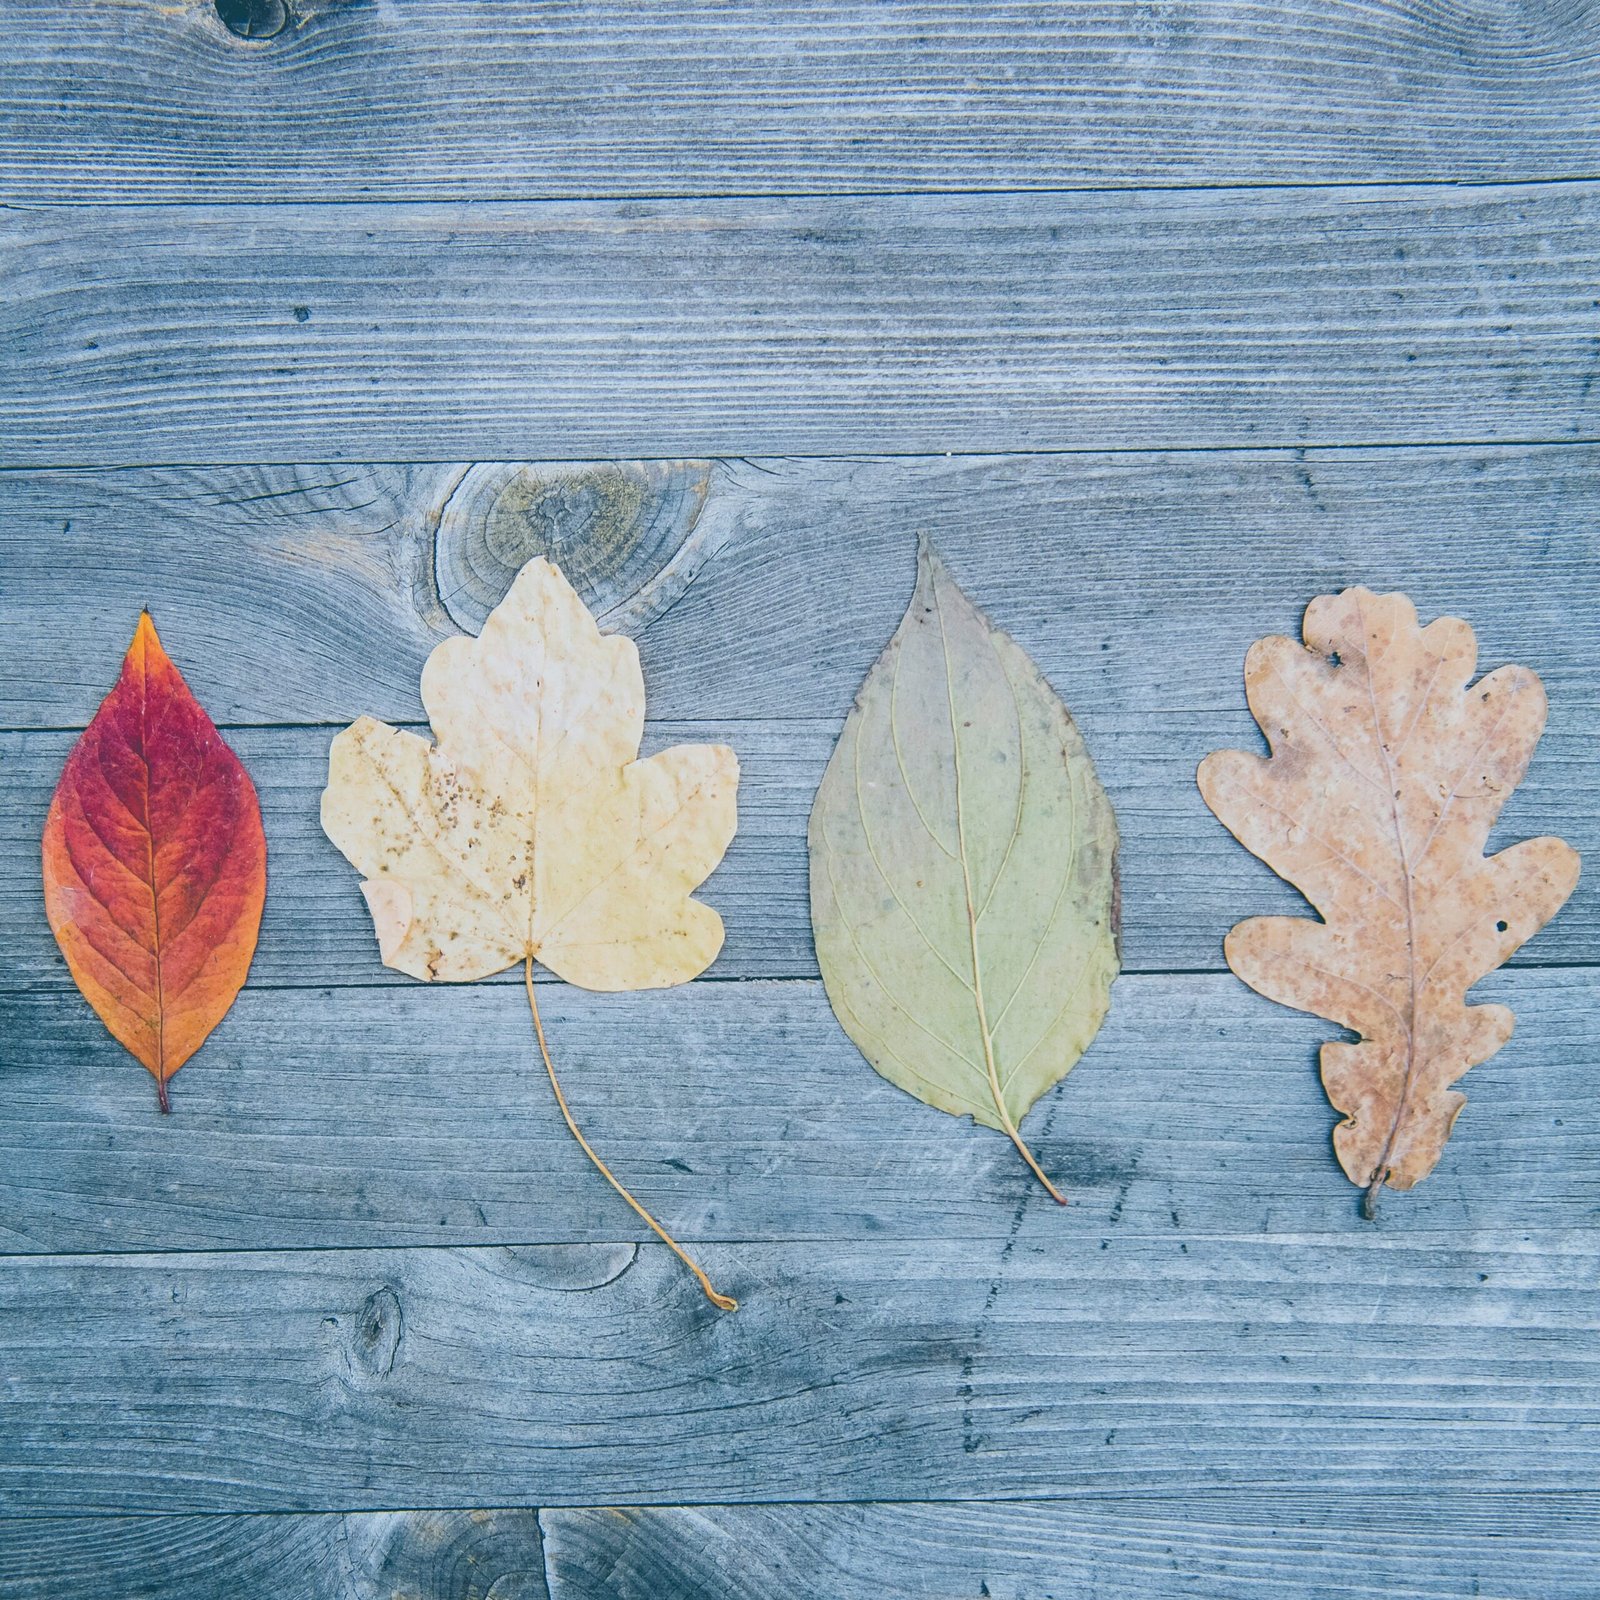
[[1308, 450], [1066, 1495], [690, 197], [1523, 1241]]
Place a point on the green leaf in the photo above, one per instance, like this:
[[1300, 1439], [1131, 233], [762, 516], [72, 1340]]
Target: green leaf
[[963, 869]]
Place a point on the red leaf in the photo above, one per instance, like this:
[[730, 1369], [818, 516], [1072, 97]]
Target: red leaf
[[155, 865]]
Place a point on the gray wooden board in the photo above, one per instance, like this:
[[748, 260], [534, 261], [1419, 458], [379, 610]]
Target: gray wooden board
[[741, 1112], [1206, 1544], [356, 1380], [310, 594], [145, 99], [378, 1555], [363, 1267], [316, 928], [800, 326]]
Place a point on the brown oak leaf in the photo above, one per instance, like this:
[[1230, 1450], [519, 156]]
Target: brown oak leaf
[[1388, 768]]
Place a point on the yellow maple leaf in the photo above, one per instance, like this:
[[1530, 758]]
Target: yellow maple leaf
[[530, 831]]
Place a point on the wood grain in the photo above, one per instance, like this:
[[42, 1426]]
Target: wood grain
[[317, 929], [310, 594], [377, 1555], [1208, 1545], [806, 326], [700, 240], [853, 1370], [742, 1112], [143, 99]]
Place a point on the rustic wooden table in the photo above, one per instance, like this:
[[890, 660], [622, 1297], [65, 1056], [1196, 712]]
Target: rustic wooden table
[[1162, 319]]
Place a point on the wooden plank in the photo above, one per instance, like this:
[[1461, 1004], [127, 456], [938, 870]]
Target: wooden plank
[[741, 1112], [1272, 1544], [1275, 1544], [311, 594], [353, 1379], [806, 326], [431, 1555], [143, 99], [317, 930]]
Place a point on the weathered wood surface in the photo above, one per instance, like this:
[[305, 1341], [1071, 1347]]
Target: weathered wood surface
[[316, 928], [742, 1112], [378, 1274], [1207, 1545], [376, 1555], [145, 99], [310, 594], [855, 1370], [804, 326]]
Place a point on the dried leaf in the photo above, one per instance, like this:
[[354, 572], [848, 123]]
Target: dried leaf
[[155, 866], [530, 831], [1387, 772], [963, 869]]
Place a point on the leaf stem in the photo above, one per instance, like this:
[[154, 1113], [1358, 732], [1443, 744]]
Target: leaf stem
[[1033, 1166], [721, 1301], [161, 1097]]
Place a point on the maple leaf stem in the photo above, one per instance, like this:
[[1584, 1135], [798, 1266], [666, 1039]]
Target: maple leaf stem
[[161, 1096], [1369, 1201], [721, 1301]]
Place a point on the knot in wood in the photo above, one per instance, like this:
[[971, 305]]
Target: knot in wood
[[375, 1338], [627, 535], [446, 1555], [253, 19], [558, 1268]]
